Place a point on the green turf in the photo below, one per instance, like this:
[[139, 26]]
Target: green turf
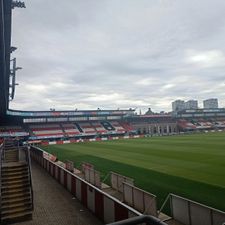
[[191, 165]]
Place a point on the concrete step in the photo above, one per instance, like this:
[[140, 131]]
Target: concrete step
[[14, 174], [7, 192], [9, 174], [11, 160], [16, 196], [17, 185], [16, 181], [17, 177], [8, 151], [10, 146], [15, 200], [13, 148], [11, 156], [11, 151], [8, 154], [17, 217], [14, 169], [17, 164], [7, 158], [11, 212], [16, 205]]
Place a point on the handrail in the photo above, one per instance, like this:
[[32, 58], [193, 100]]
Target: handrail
[[164, 203], [18, 149], [1, 158], [30, 174], [149, 220], [3, 150]]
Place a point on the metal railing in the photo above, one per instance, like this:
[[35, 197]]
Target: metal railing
[[187, 212], [28, 159], [164, 203], [194, 212], [1, 159], [148, 220]]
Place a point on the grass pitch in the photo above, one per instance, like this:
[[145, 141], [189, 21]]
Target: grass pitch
[[192, 166]]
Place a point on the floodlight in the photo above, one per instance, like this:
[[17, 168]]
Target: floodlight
[[18, 4], [12, 49]]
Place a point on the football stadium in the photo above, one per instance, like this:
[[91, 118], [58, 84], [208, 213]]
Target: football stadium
[[113, 167]]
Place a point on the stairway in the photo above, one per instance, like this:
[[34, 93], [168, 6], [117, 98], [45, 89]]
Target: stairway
[[11, 155], [63, 130], [78, 127], [11, 151], [107, 126], [16, 193], [16, 188]]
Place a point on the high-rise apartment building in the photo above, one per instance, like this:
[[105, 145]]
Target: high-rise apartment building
[[191, 104], [211, 103], [178, 105]]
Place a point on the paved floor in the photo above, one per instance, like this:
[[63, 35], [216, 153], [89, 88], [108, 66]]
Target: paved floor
[[173, 222], [54, 205]]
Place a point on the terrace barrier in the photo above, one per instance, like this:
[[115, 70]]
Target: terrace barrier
[[193, 213], [93, 177], [189, 212], [69, 165], [117, 181], [140, 200], [147, 220], [85, 165], [107, 208]]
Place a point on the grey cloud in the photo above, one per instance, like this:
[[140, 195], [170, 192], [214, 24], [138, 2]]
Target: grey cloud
[[78, 52]]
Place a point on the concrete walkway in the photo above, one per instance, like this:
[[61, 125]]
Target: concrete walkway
[[53, 205]]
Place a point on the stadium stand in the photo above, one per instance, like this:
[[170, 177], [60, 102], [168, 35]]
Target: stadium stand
[[107, 126], [201, 124], [220, 123], [81, 129], [128, 127], [70, 129], [12, 131], [65, 130], [46, 130], [118, 127], [99, 128], [87, 129], [78, 129], [186, 125]]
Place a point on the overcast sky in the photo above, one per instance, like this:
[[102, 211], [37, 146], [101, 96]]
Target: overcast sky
[[114, 54]]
